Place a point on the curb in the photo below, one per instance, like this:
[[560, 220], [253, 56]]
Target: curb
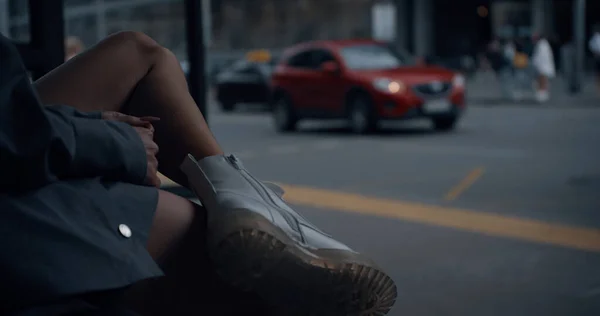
[[561, 104]]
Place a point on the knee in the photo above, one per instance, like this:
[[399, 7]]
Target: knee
[[139, 44]]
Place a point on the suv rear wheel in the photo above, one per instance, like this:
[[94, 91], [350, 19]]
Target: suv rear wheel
[[284, 118], [446, 123], [361, 114]]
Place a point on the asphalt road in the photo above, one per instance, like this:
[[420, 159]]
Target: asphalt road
[[500, 217]]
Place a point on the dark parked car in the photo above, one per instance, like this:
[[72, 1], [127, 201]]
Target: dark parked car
[[244, 82]]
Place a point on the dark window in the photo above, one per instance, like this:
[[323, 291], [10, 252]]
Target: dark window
[[301, 60], [321, 56], [311, 59]]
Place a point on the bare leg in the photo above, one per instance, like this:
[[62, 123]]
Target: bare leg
[[174, 217], [147, 81], [542, 86], [191, 286], [260, 247], [130, 73], [543, 83]]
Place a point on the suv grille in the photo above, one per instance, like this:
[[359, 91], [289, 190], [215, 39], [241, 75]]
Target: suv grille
[[433, 89]]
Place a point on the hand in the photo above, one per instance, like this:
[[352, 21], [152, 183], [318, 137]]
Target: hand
[[147, 136], [144, 121], [143, 126]]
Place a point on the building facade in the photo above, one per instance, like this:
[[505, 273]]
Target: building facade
[[424, 27]]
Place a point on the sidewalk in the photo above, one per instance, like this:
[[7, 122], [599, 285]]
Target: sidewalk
[[484, 90]]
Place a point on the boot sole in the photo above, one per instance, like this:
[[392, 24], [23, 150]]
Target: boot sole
[[252, 254]]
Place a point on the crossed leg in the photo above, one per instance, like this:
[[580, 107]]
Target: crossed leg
[[130, 73], [268, 246]]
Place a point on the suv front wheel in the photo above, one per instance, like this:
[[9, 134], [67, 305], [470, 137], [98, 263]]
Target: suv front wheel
[[445, 123], [361, 114], [284, 118]]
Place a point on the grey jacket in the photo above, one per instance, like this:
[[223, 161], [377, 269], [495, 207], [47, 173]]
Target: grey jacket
[[67, 181]]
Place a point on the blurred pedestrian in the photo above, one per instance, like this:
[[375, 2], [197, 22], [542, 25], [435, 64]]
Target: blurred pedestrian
[[73, 46], [556, 51], [507, 72], [594, 45], [545, 69], [522, 81], [499, 64]]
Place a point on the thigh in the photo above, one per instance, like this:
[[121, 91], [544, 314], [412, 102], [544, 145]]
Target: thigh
[[191, 285], [101, 78], [174, 217]]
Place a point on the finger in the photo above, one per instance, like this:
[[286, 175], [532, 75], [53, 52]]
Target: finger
[[140, 130], [133, 121], [152, 163], [117, 116], [151, 153], [150, 127], [154, 179], [150, 118], [145, 125], [110, 115], [147, 131]]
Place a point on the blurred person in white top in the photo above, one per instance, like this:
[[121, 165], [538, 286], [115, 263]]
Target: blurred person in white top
[[594, 46], [543, 63]]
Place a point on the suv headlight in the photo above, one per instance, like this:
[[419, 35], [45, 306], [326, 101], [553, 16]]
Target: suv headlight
[[458, 81], [388, 85]]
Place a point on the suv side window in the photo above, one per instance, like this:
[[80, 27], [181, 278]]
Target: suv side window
[[302, 60], [321, 56], [311, 59]]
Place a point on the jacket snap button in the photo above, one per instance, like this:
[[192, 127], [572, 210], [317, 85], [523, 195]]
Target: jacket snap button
[[125, 230]]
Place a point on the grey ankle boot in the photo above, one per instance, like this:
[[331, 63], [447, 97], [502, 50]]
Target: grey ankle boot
[[258, 243]]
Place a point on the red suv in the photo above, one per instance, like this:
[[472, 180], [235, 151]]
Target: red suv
[[363, 81]]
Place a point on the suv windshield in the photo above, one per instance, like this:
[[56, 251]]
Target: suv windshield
[[370, 57]]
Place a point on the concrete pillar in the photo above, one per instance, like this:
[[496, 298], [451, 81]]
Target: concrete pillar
[[100, 20], [537, 15], [550, 17], [423, 27], [207, 20], [579, 45], [4, 18], [402, 18], [542, 16]]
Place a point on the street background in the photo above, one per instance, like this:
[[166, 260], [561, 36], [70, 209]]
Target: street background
[[498, 217], [413, 199]]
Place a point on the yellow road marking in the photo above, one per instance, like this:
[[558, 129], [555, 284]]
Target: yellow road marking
[[465, 184], [479, 222]]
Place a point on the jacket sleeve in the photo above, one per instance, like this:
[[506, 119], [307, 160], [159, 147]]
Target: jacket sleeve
[[41, 144]]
